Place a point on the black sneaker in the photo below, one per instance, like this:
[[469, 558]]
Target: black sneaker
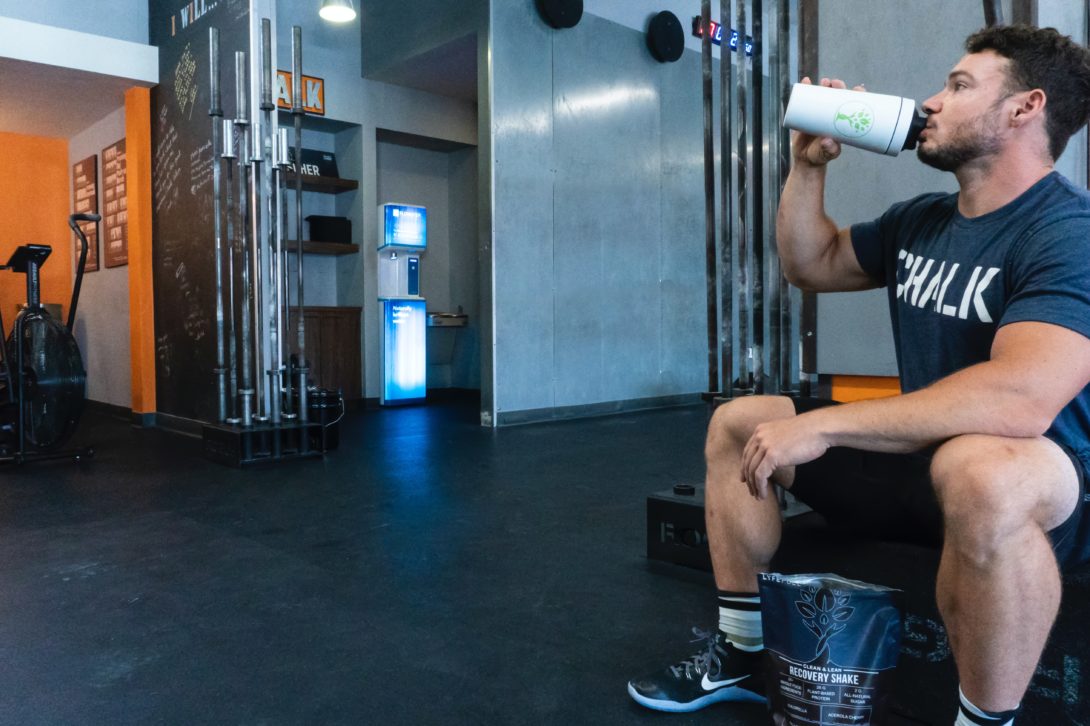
[[720, 672]]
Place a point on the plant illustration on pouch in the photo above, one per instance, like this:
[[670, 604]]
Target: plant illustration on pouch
[[825, 614]]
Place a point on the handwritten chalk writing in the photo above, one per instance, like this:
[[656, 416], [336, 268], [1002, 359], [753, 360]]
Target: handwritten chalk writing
[[166, 169], [200, 168], [185, 87]]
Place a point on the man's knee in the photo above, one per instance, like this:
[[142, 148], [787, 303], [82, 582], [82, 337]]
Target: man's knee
[[734, 421], [972, 478]]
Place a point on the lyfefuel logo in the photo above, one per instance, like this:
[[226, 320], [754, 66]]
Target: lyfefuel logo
[[854, 119]]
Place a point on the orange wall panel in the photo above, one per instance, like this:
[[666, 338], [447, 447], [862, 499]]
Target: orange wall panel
[[35, 199], [858, 388], [141, 293]]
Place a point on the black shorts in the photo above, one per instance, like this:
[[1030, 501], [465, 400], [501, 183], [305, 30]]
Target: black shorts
[[890, 497]]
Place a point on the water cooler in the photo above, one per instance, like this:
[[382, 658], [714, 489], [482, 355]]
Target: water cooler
[[402, 240]]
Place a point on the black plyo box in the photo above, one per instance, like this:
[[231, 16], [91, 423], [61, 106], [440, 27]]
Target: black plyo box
[[316, 163], [675, 529], [676, 534]]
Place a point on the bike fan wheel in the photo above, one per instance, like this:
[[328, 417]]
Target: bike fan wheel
[[54, 379]]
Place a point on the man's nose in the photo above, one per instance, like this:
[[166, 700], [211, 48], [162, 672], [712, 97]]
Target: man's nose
[[933, 104]]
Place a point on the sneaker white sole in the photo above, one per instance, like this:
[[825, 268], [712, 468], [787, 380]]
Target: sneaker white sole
[[731, 694]]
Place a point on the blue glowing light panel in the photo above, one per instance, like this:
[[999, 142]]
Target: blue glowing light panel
[[404, 368], [404, 225]]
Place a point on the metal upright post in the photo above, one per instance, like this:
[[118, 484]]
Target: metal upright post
[[281, 163], [757, 247], [285, 302], [228, 156], [216, 112], [740, 151], [246, 393], [785, 73], [808, 66], [257, 268], [726, 212], [709, 198], [275, 372], [297, 118]]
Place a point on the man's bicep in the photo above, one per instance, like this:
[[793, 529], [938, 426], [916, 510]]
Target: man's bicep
[[841, 269], [1052, 360]]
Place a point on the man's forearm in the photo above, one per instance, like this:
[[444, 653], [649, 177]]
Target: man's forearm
[[987, 398]]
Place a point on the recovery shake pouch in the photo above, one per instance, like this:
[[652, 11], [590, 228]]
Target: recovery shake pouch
[[832, 645]]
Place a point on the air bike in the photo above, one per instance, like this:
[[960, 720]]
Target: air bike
[[42, 379]]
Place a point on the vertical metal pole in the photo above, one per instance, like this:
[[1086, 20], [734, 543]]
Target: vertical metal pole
[[216, 112], [785, 70], [242, 121], [709, 197], [993, 12], [228, 156], [776, 309], [740, 152], [758, 247], [1024, 12], [726, 212], [282, 270], [808, 62], [272, 258], [280, 156], [257, 252], [297, 117]]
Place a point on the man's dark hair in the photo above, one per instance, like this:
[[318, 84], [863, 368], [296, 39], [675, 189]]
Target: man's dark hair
[[1043, 58]]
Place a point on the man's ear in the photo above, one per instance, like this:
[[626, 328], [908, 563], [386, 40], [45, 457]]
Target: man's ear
[[1031, 104]]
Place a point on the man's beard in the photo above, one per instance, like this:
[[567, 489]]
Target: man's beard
[[971, 141]]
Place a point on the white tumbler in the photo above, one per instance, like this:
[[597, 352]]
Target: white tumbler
[[871, 121]]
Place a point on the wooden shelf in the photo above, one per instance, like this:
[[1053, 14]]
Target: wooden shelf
[[316, 247], [326, 184]]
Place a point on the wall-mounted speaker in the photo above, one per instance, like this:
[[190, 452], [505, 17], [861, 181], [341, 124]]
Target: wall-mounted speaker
[[560, 13], [665, 37]]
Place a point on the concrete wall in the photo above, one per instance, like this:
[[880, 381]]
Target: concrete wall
[[598, 247], [120, 19], [854, 335], [394, 32], [465, 366], [102, 321]]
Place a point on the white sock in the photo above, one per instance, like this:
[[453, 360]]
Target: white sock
[[740, 619], [971, 715]]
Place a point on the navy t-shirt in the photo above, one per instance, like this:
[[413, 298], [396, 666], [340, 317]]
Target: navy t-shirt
[[953, 281]]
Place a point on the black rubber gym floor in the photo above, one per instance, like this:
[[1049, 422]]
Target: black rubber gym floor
[[429, 571]]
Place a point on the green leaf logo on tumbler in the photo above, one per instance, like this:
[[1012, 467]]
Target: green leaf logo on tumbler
[[854, 119]]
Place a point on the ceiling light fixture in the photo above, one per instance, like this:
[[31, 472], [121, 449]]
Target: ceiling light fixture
[[337, 11]]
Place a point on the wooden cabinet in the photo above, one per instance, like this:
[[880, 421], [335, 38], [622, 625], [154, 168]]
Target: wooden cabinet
[[333, 347]]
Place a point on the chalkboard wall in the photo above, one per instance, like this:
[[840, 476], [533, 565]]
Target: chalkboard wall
[[184, 273]]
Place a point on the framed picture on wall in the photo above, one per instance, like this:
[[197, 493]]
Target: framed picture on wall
[[115, 212], [85, 201]]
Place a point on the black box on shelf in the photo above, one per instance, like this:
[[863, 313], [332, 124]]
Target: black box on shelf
[[330, 229], [315, 163]]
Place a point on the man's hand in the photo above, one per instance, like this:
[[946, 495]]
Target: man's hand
[[817, 150], [776, 444]]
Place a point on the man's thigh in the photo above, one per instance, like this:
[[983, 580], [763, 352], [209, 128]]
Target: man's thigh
[[891, 496], [1035, 480], [873, 494]]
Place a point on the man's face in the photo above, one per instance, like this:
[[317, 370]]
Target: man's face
[[964, 121]]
